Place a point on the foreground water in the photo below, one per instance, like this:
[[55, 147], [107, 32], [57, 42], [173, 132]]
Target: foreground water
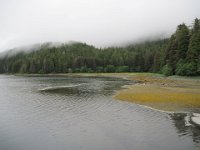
[[79, 113]]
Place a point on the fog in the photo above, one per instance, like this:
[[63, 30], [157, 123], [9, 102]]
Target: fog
[[97, 22]]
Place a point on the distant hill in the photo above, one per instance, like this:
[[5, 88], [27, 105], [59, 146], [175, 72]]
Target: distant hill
[[179, 55]]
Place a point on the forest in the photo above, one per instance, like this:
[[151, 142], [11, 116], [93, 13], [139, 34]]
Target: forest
[[177, 55]]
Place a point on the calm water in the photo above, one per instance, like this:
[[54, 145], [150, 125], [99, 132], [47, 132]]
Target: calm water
[[73, 113]]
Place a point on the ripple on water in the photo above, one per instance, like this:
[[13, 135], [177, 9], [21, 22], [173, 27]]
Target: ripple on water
[[69, 113]]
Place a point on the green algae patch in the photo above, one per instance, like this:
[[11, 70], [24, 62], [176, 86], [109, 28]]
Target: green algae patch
[[168, 94], [164, 98]]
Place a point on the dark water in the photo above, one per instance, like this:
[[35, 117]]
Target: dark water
[[73, 113]]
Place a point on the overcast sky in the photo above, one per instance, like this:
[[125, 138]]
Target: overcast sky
[[97, 22]]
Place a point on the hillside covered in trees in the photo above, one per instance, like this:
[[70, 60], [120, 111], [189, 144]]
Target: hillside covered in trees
[[178, 55]]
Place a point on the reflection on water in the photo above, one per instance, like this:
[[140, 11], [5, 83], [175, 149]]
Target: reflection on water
[[184, 128], [79, 113], [62, 90]]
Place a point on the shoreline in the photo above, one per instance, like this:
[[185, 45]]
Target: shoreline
[[162, 93], [170, 94], [149, 89], [153, 91]]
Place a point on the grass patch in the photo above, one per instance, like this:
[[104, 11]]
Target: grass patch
[[164, 98], [164, 93]]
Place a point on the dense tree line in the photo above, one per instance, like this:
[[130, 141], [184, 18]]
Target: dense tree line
[[182, 55], [80, 57], [178, 55]]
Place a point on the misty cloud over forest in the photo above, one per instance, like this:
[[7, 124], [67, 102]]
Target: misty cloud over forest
[[97, 22]]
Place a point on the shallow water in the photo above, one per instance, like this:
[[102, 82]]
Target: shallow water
[[79, 113]]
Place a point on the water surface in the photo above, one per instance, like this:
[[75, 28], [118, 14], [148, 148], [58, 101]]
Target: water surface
[[79, 113]]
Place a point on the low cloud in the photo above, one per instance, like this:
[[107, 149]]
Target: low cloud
[[97, 22]]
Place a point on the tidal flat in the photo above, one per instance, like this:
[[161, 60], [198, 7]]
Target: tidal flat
[[163, 93]]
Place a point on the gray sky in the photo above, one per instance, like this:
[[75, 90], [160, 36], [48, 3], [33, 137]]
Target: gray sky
[[97, 22]]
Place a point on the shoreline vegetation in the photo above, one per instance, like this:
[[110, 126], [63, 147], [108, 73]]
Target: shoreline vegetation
[[172, 94]]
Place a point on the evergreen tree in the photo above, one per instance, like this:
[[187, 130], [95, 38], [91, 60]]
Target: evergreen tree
[[182, 38]]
